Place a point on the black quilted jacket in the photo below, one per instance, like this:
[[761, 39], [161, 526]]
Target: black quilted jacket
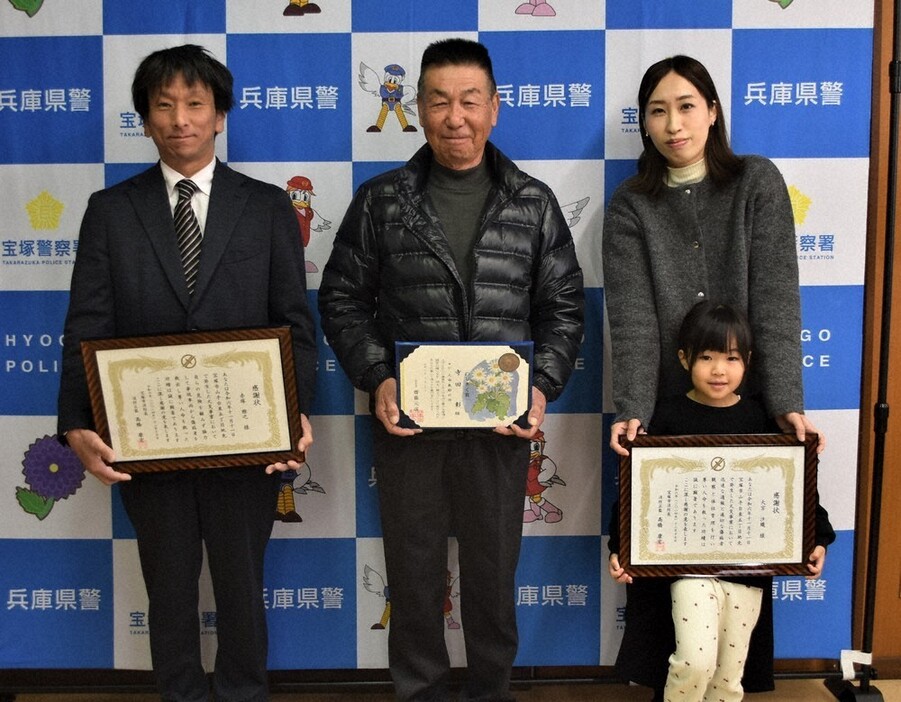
[[391, 276]]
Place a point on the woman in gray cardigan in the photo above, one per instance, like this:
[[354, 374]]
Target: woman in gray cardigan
[[695, 222]]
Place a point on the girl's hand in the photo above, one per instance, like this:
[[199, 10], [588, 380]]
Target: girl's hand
[[816, 562], [616, 571]]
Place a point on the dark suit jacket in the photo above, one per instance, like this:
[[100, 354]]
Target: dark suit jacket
[[128, 277]]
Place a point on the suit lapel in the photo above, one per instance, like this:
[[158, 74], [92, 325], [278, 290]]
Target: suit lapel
[[151, 203], [227, 200]]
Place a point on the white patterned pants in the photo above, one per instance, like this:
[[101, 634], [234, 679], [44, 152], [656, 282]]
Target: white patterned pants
[[713, 620]]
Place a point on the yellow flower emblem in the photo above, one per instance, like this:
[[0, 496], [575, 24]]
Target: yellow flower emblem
[[800, 204], [44, 211]]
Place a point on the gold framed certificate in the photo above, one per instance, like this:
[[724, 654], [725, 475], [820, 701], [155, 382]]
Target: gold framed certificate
[[463, 385], [195, 400], [718, 505]]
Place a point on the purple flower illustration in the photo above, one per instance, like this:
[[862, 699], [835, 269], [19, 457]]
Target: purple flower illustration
[[52, 471]]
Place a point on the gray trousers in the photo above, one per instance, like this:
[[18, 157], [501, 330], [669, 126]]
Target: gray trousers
[[469, 484]]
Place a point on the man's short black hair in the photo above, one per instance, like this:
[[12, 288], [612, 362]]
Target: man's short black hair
[[456, 52], [194, 63]]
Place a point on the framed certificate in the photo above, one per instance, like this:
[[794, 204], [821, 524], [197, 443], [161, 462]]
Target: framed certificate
[[463, 385], [718, 505], [195, 400]]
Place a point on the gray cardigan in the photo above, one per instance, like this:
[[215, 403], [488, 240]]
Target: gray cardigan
[[661, 255]]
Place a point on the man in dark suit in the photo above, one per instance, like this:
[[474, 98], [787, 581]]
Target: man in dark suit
[[131, 278]]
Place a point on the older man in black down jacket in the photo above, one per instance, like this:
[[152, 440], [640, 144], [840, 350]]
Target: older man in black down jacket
[[457, 245]]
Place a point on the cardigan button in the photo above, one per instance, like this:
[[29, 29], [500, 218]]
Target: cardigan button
[[701, 294], [696, 244]]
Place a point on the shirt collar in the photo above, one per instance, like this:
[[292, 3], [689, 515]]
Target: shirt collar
[[203, 179]]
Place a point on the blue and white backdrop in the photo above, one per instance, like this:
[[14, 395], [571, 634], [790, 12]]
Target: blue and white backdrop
[[795, 77]]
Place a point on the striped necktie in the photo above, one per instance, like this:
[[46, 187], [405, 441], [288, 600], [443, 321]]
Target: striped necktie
[[187, 231]]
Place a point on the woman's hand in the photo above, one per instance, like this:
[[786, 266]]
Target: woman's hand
[[630, 429], [800, 424]]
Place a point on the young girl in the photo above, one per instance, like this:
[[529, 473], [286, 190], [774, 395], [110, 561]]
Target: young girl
[[712, 618]]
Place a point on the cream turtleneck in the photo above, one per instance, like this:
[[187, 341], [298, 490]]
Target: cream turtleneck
[[686, 175]]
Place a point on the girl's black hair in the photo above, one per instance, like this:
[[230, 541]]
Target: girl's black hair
[[711, 326]]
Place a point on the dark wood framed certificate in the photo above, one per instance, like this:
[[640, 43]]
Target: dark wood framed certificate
[[195, 400], [718, 505], [463, 385]]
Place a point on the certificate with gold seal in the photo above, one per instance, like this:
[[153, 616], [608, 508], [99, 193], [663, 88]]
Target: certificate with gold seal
[[195, 400], [718, 505], [463, 385]]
